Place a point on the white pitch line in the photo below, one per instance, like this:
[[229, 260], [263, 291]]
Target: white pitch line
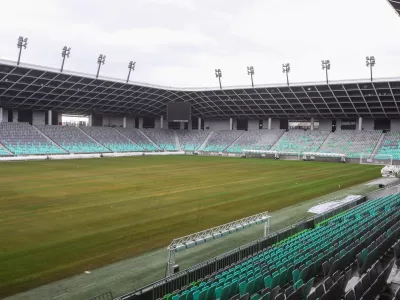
[[60, 296], [86, 286]]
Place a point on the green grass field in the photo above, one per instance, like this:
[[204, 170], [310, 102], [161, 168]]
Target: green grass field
[[59, 218]]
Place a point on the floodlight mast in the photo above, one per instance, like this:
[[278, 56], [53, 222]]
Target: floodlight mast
[[199, 238], [100, 61], [21, 43], [218, 74], [66, 51], [286, 69], [250, 71], [326, 65], [131, 67], [370, 62]]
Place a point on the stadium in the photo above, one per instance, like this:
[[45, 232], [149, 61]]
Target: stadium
[[114, 189]]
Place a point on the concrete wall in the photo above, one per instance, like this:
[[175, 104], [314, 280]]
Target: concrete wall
[[5, 115], [39, 117], [217, 124], [325, 125], [394, 124], [338, 124], [368, 124], [157, 123], [15, 116], [112, 120], [254, 124]]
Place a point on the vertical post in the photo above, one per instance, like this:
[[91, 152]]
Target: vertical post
[[360, 122], [181, 125], [370, 67], [326, 72], [19, 56], [287, 78], [90, 120], [62, 64], [170, 262], [162, 122], [199, 123], [252, 83], [140, 122], [49, 118], [220, 85], [266, 228], [124, 122], [230, 124], [1, 114], [312, 123], [269, 123]]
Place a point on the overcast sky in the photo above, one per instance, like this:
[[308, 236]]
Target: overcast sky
[[181, 42]]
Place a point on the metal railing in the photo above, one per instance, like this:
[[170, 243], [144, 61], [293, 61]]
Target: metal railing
[[184, 278]]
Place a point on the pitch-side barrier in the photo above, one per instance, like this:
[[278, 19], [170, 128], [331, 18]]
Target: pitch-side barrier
[[88, 155]]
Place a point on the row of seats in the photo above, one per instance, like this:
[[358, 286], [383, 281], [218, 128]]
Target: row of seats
[[137, 136], [191, 140], [24, 139], [353, 143], [301, 141], [111, 139], [165, 139], [256, 140], [72, 139], [390, 146], [287, 270], [220, 140]]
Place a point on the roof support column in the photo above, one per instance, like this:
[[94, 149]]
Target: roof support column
[[90, 120], [269, 123], [312, 123], [181, 125], [1, 114], [162, 122], [124, 122], [49, 117], [190, 125], [199, 123], [360, 123], [140, 123], [230, 124]]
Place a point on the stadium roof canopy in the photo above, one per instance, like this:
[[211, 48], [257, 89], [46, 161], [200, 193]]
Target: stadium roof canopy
[[396, 5], [28, 87]]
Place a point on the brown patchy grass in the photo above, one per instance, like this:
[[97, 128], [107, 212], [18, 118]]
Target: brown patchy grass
[[59, 218]]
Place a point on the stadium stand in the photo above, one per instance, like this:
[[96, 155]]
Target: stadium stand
[[191, 140], [220, 140], [390, 145], [24, 139], [72, 139], [138, 138], [287, 270], [256, 140], [300, 141], [164, 138], [111, 139], [3, 151], [353, 143]]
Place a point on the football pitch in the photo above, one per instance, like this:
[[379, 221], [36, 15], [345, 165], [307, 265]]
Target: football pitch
[[60, 218]]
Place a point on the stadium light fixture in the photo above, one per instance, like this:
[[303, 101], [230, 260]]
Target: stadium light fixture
[[286, 69], [131, 67], [218, 74], [250, 71], [199, 238], [66, 51], [21, 43], [326, 65], [100, 61], [370, 62]]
